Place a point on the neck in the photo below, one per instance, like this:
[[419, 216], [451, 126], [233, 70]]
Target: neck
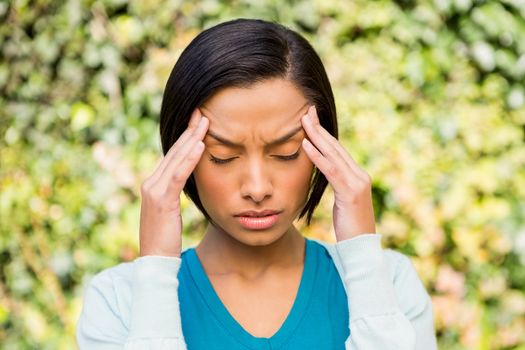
[[222, 254]]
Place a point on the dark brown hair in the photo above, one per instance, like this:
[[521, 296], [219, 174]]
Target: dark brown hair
[[239, 53]]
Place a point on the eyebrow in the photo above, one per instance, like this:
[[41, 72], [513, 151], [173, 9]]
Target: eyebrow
[[276, 142]]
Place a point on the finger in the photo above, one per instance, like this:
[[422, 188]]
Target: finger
[[328, 168], [194, 119], [177, 179], [177, 169], [192, 125], [343, 153], [320, 141], [185, 147]]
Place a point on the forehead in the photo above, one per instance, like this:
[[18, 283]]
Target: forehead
[[266, 106]]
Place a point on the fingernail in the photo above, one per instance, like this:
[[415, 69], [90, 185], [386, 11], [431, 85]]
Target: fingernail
[[195, 113], [314, 112], [308, 144], [307, 117]]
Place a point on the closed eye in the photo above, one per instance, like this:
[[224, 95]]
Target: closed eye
[[220, 161], [284, 158], [291, 156]]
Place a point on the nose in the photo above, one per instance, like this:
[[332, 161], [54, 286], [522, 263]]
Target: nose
[[256, 183]]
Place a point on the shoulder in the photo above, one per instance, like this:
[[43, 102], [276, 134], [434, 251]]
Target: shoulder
[[410, 292], [106, 315], [117, 281], [117, 273], [112, 280], [106, 305], [398, 264], [108, 294]]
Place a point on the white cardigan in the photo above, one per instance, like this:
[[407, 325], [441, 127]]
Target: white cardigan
[[135, 305]]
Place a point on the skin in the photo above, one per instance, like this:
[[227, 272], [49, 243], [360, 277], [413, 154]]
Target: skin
[[264, 266]]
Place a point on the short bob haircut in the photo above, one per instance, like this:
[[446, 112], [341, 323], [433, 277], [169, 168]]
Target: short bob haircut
[[240, 53]]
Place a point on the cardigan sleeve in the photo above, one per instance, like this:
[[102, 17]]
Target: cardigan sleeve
[[136, 306], [149, 318], [389, 306]]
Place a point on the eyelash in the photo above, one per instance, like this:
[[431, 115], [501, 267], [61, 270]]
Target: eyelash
[[284, 158]]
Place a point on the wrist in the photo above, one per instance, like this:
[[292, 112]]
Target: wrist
[[168, 254], [343, 237]]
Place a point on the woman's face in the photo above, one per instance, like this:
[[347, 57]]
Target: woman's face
[[253, 161]]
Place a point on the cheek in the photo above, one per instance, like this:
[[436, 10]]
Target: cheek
[[214, 183], [210, 183], [296, 180]]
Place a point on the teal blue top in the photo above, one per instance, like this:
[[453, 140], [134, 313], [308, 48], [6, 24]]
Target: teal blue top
[[138, 305], [318, 318]]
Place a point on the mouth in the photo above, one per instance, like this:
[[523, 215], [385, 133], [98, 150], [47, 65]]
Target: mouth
[[253, 220], [257, 214]]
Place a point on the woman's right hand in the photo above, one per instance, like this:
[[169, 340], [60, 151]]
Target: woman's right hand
[[160, 217]]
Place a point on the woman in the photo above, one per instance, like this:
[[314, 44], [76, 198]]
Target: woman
[[248, 128]]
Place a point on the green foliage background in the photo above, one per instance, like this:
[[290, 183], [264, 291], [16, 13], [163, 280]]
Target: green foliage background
[[430, 97]]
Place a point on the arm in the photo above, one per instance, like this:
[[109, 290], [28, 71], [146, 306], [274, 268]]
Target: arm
[[154, 319], [384, 314], [148, 319], [389, 307]]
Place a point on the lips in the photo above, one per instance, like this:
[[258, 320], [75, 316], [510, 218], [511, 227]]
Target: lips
[[258, 220], [257, 214]]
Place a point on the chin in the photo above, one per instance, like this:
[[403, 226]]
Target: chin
[[257, 239], [254, 238]]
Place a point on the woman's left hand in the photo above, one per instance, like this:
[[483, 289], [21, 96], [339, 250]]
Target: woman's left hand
[[353, 211]]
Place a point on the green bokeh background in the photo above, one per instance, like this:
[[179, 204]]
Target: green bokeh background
[[431, 103]]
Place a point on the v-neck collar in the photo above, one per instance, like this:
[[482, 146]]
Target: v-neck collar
[[222, 314]]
